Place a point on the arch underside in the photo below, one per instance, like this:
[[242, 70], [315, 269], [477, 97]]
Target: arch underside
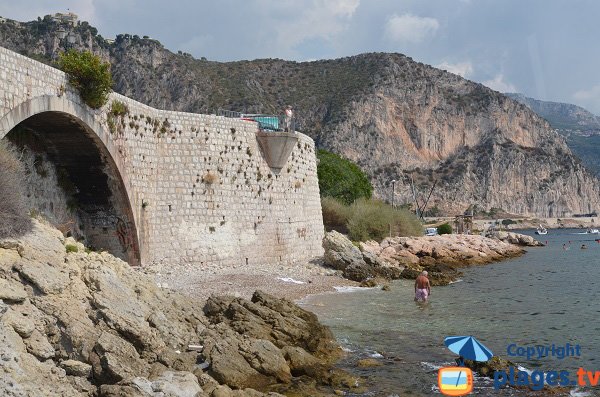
[[100, 210]]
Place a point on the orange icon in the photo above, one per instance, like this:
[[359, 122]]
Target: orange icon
[[455, 381]]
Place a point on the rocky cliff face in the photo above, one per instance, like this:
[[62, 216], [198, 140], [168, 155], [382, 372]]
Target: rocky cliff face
[[580, 128], [398, 119], [562, 116]]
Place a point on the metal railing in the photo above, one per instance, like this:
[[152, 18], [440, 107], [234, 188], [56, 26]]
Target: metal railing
[[266, 122]]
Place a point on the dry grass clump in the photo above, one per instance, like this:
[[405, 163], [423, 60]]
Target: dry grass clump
[[210, 178], [14, 220], [335, 214], [368, 219]]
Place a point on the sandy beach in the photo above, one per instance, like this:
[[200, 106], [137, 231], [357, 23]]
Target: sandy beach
[[285, 281]]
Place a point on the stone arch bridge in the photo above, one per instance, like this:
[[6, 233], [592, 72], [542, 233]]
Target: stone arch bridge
[[162, 186]]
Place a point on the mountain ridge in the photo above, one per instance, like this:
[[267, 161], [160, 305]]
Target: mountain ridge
[[579, 127], [397, 118]]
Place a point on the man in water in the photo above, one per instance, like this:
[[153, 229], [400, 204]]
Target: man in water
[[422, 288]]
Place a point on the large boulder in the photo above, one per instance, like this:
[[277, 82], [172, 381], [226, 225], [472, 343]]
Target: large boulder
[[357, 264], [340, 252]]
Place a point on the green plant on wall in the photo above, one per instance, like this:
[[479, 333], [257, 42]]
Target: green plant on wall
[[89, 75]]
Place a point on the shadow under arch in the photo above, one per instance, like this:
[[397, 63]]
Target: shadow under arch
[[80, 147]]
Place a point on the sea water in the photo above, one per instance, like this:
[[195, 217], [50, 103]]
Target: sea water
[[548, 296]]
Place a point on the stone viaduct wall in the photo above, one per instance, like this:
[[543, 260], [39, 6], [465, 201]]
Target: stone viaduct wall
[[199, 186]]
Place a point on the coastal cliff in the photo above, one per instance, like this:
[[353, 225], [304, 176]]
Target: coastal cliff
[[398, 119]]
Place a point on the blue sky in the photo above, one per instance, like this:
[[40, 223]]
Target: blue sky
[[546, 49]]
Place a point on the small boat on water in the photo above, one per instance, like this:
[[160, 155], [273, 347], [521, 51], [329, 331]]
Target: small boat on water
[[541, 230], [592, 231]]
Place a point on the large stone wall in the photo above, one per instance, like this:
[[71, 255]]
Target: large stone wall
[[199, 186]]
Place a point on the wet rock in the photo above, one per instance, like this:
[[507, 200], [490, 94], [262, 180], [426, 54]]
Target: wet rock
[[487, 368], [368, 363], [300, 361], [515, 238], [370, 283]]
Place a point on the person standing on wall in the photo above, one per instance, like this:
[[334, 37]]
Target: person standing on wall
[[289, 115]]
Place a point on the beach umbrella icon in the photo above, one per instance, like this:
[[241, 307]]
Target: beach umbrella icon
[[468, 347]]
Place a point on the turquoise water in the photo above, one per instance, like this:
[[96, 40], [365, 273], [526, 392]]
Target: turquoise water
[[548, 296]]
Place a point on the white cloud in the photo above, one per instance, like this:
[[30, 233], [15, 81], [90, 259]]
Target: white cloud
[[586, 95], [293, 22], [589, 98], [85, 9], [410, 28], [198, 45], [463, 69], [499, 84]]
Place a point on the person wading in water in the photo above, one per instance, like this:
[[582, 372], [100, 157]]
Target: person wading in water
[[422, 288]]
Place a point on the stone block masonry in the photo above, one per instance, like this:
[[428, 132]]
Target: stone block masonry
[[198, 187]]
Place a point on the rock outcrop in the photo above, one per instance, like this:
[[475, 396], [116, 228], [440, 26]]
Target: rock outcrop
[[87, 324], [355, 264], [515, 238], [406, 257]]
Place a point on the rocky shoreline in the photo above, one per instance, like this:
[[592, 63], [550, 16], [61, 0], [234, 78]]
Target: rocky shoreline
[[81, 323], [405, 257]]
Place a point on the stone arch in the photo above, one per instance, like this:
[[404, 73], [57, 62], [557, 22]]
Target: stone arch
[[84, 119]]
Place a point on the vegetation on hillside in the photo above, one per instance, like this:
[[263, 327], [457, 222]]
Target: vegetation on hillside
[[588, 149], [367, 219], [444, 229], [89, 75], [341, 179], [14, 220]]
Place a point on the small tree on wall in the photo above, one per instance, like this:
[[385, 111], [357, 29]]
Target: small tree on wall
[[89, 75]]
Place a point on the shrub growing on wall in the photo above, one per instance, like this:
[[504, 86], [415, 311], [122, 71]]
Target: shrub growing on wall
[[14, 220], [89, 75], [341, 179]]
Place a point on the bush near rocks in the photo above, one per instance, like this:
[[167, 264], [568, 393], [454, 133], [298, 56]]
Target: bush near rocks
[[335, 214], [376, 220], [444, 229]]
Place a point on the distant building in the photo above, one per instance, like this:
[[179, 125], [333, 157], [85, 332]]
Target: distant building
[[2, 20], [68, 18]]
